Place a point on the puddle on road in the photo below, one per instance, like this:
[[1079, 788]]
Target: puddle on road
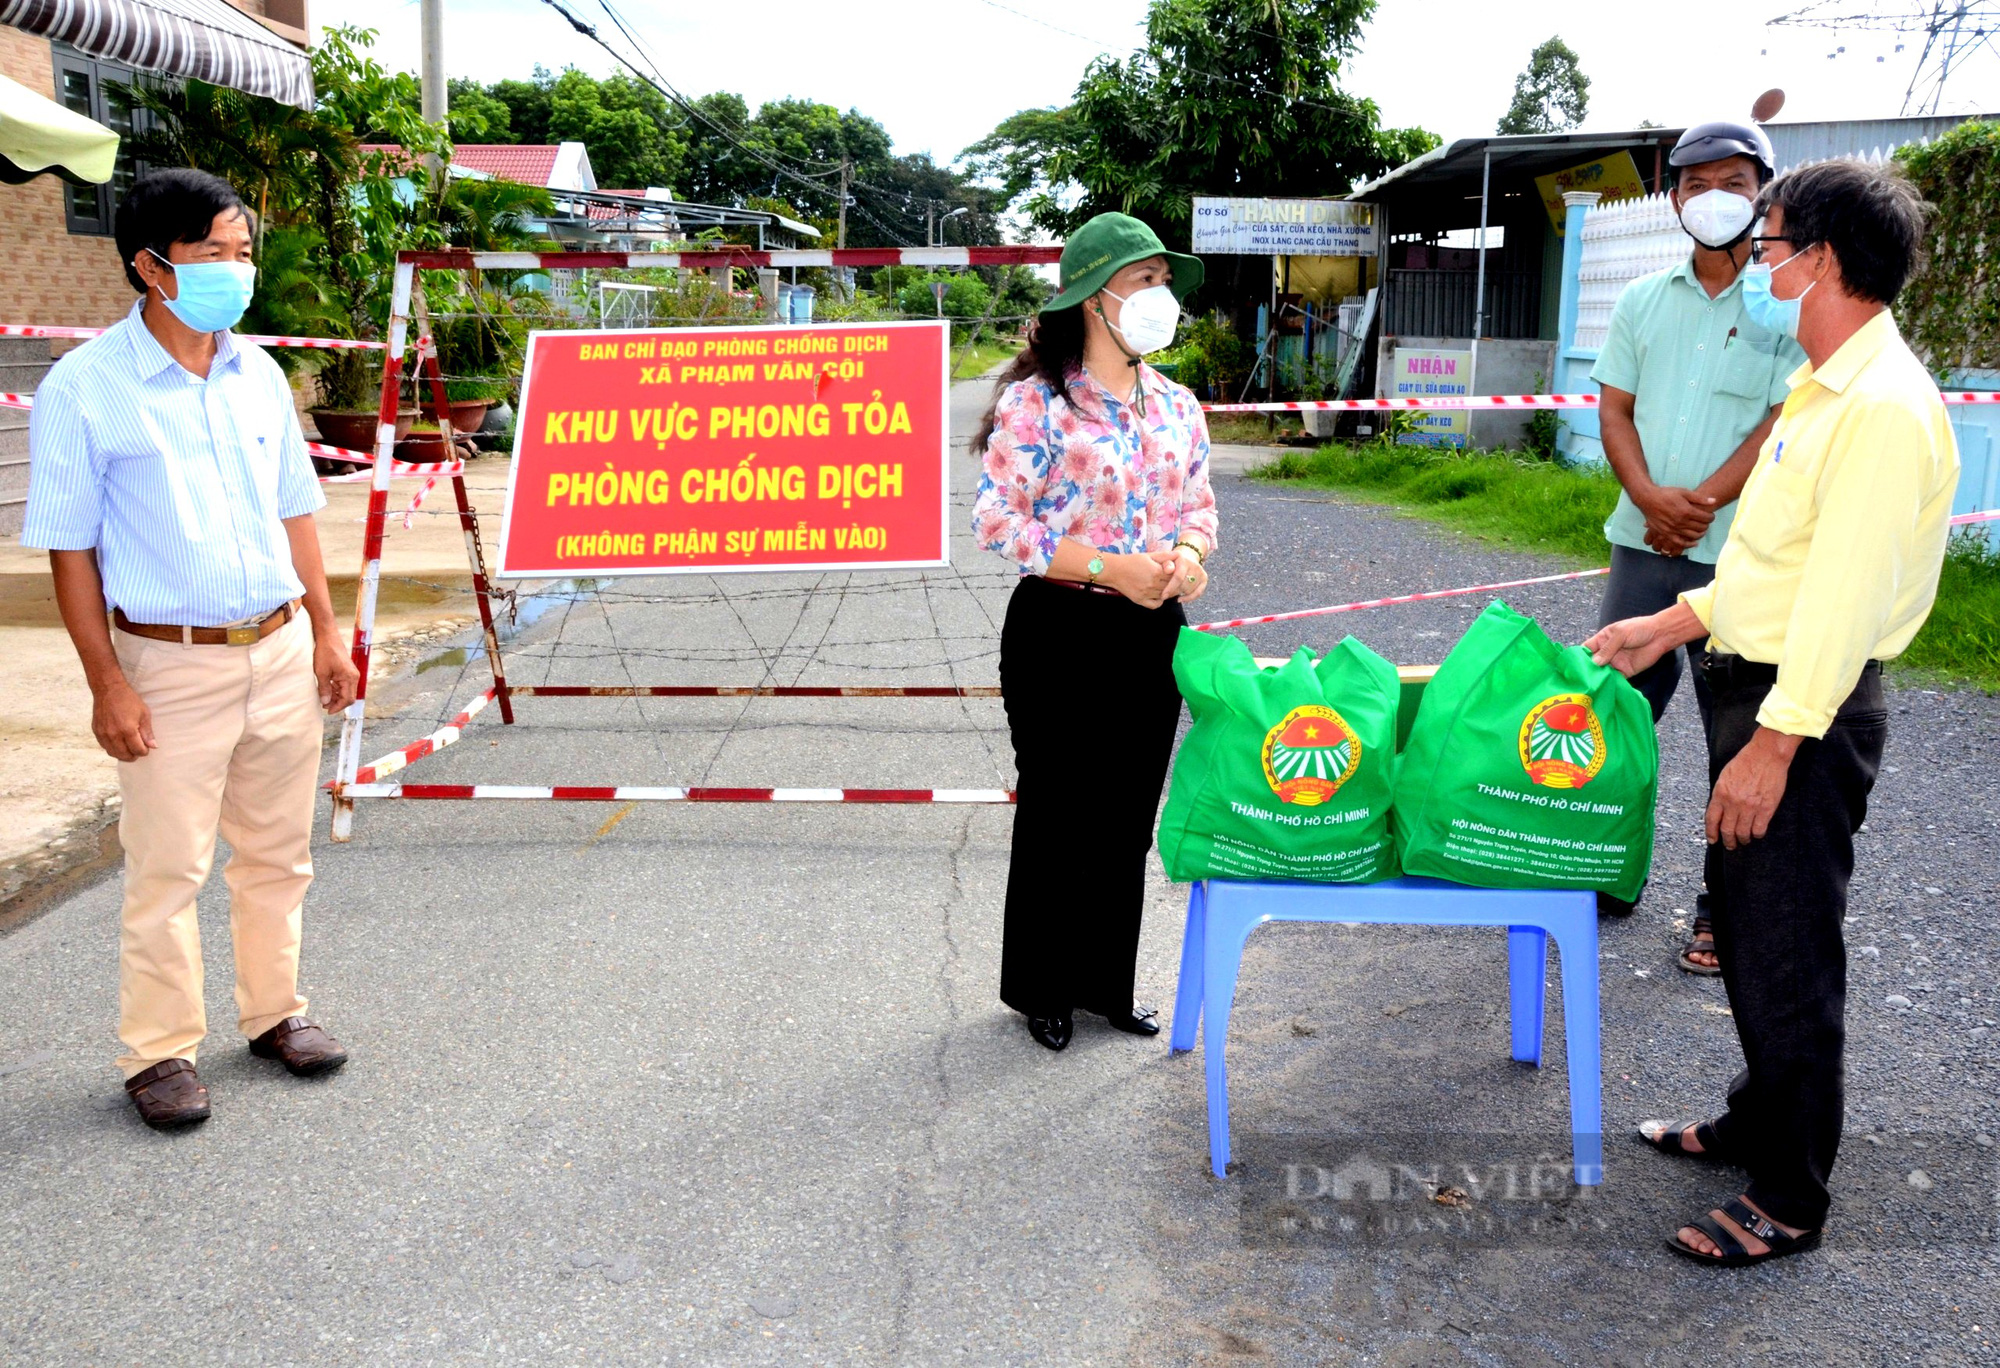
[[528, 610]]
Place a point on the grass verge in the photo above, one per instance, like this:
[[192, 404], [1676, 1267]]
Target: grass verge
[[1533, 505], [982, 357], [1251, 429], [1536, 505]]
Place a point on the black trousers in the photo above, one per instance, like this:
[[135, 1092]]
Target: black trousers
[[1088, 681], [1642, 583], [1778, 905]]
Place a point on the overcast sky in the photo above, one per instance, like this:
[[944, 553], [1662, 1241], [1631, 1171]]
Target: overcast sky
[[939, 74]]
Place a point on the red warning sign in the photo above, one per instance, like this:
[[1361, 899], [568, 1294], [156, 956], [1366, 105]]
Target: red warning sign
[[716, 449]]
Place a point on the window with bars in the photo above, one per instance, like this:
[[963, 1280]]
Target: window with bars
[[97, 90]]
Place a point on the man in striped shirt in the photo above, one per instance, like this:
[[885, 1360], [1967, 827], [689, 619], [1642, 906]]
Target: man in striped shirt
[[170, 485]]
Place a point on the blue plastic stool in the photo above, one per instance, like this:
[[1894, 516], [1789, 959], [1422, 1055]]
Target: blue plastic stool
[[1223, 912]]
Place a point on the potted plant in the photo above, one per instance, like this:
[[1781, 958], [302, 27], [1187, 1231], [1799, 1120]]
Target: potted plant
[[466, 401], [350, 391], [425, 442]]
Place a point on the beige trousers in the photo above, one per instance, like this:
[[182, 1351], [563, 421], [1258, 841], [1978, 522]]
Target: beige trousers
[[238, 731]]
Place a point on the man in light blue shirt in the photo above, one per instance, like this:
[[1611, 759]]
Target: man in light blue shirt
[[1690, 388], [170, 485]]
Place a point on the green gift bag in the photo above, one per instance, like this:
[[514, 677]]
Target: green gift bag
[[1287, 772], [1528, 766]]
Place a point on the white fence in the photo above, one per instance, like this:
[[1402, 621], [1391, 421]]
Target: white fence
[[1621, 242], [1625, 240]]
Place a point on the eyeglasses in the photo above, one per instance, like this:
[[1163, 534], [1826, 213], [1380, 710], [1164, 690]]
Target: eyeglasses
[[1757, 246]]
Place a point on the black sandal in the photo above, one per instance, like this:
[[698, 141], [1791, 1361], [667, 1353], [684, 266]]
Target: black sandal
[[1735, 1254], [1702, 942], [1667, 1140]]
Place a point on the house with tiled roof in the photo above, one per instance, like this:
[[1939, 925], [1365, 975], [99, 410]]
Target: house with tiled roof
[[552, 166]]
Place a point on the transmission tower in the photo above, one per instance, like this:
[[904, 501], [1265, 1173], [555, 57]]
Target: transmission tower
[[1952, 32]]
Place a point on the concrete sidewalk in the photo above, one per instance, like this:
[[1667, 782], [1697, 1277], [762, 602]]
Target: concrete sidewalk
[[731, 1085], [56, 782]]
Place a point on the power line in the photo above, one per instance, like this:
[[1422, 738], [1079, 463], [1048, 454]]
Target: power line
[[659, 83]]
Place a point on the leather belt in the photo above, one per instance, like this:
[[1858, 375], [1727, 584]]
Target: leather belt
[[247, 635], [1729, 671], [1079, 584], [1720, 668]]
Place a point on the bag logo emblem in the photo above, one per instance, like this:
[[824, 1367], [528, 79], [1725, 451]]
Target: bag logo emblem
[[1309, 755], [1562, 742]]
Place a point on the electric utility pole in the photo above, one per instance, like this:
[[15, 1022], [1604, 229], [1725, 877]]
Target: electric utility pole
[[846, 171], [433, 68]]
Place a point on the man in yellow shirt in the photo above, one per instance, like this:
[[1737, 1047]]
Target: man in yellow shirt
[[1830, 569]]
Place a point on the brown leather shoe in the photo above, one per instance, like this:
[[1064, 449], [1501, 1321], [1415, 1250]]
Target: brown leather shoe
[[302, 1047], [168, 1095]]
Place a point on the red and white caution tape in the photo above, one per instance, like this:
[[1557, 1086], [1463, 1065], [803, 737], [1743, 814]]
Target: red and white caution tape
[[407, 469], [577, 793], [1442, 401], [1390, 602], [320, 343], [1485, 402], [321, 449], [1963, 519], [754, 691], [417, 501]]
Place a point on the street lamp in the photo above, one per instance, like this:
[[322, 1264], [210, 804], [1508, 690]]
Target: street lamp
[[962, 209]]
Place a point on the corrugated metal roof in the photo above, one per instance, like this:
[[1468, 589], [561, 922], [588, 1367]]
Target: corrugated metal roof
[[1466, 156], [1805, 142], [1792, 143]]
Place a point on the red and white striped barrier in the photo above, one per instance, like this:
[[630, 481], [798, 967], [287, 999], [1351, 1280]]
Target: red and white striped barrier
[[579, 793], [262, 340], [1966, 519], [428, 745], [460, 259], [1390, 602], [452, 730], [1485, 402]]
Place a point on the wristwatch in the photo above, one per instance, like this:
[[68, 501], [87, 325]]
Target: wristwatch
[[1096, 568]]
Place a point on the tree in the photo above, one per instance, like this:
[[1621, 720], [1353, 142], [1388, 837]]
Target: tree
[[1015, 156], [475, 114], [792, 149], [528, 106], [1228, 97], [1551, 95], [633, 138]]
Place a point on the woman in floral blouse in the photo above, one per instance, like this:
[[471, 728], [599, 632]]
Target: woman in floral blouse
[[1095, 483]]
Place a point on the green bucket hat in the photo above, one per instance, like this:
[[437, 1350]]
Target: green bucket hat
[[1106, 245]]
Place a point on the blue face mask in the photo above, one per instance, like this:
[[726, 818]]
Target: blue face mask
[[212, 295], [1766, 310]]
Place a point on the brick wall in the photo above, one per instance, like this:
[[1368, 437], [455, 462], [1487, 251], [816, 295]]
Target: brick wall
[[47, 274]]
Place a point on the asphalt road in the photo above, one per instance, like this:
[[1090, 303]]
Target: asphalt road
[[731, 1085]]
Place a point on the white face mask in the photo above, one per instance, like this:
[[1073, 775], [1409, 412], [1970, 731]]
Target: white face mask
[[1716, 218], [1148, 318]]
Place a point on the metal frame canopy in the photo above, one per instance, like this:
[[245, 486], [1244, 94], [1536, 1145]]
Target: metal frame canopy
[[1462, 171], [353, 780]]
